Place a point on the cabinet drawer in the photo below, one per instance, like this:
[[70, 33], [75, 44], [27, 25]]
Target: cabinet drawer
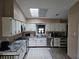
[[56, 39]]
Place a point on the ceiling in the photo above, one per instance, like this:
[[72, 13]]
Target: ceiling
[[54, 8]]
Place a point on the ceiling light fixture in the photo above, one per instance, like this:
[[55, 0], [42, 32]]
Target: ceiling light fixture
[[34, 12]]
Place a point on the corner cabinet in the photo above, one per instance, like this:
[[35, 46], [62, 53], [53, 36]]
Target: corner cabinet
[[10, 27]]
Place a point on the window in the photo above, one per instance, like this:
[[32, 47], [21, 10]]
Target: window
[[34, 12]]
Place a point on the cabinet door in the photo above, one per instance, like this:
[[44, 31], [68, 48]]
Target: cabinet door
[[24, 26], [48, 27], [13, 27], [33, 27], [41, 42], [32, 42], [52, 27], [44, 41], [57, 26], [48, 42], [17, 27], [6, 27], [30, 27], [63, 27], [56, 41], [60, 27]]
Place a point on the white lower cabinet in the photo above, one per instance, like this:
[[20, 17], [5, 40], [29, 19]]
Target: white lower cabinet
[[41, 42], [56, 42], [32, 42], [37, 42]]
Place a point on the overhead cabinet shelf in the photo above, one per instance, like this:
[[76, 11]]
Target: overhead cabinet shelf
[[10, 26], [56, 27]]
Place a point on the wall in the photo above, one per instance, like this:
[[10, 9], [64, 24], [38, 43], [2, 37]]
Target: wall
[[43, 20], [73, 18], [18, 14], [8, 8], [1, 14], [0, 27], [1, 8]]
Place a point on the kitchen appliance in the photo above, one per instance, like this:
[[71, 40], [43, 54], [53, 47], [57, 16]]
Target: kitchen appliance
[[27, 34], [4, 46]]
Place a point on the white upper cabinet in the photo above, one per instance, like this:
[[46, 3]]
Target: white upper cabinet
[[63, 27], [13, 27], [8, 26], [48, 27], [52, 28], [56, 27], [30, 27], [17, 27]]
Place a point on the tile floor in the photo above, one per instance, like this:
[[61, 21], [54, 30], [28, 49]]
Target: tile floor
[[59, 53], [46, 53]]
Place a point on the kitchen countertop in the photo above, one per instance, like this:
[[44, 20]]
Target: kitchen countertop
[[14, 47]]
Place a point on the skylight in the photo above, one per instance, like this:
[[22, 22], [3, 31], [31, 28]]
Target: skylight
[[34, 12]]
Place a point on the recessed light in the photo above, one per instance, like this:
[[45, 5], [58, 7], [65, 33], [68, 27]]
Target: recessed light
[[34, 12]]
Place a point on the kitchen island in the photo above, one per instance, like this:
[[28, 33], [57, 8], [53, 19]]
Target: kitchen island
[[37, 41]]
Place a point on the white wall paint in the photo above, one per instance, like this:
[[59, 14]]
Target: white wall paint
[[18, 13], [54, 6]]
